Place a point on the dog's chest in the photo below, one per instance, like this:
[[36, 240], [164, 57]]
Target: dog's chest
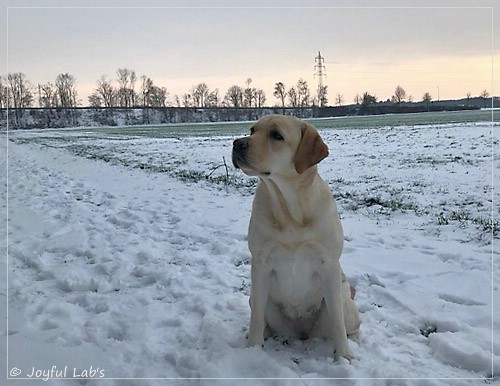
[[296, 274]]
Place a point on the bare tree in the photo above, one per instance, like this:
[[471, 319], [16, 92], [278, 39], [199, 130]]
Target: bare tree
[[177, 101], [157, 97], [20, 94], [126, 94], [248, 93], [367, 101], [20, 90], [485, 95], [339, 99], [187, 100], [95, 100], [66, 91], [132, 93], [280, 93], [200, 95], [303, 93], [4, 93], [468, 95], [260, 98], [213, 98], [234, 96], [322, 96], [399, 95], [105, 93], [358, 99], [66, 96], [293, 98], [146, 85], [427, 98], [47, 95]]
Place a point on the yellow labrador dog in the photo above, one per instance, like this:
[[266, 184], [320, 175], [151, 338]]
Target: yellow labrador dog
[[295, 238]]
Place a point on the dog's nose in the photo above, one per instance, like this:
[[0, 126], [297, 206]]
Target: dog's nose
[[239, 151], [240, 144]]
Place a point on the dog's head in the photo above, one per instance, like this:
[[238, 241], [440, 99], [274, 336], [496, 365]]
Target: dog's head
[[279, 145]]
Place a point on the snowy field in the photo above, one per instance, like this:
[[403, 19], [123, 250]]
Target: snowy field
[[128, 258]]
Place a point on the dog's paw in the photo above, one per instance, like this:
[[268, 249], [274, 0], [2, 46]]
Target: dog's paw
[[254, 341], [344, 353]]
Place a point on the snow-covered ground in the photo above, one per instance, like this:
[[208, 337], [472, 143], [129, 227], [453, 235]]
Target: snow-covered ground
[[125, 261]]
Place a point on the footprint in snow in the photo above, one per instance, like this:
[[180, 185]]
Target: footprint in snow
[[460, 300]]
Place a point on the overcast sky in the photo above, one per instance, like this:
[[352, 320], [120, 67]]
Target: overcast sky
[[365, 49]]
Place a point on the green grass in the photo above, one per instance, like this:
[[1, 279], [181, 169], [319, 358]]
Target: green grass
[[410, 119], [242, 128]]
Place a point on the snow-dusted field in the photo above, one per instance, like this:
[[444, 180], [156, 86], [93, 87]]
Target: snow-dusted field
[[126, 261]]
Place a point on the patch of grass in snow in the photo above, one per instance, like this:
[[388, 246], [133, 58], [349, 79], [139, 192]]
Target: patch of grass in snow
[[395, 201], [243, 288], [428, 329], [354, 201], [464, 219], [487, 228]]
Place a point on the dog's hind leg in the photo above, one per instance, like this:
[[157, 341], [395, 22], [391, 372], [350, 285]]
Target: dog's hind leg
[[352, 319]]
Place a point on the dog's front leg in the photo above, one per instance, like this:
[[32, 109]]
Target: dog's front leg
[[261, 278], [331, 282]]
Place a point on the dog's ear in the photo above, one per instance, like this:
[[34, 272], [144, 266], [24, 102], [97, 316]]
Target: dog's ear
[[311, 149]]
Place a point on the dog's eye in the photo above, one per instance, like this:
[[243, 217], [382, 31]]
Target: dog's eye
[[276, 135], [252, 130]]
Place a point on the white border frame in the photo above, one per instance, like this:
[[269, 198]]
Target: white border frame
[[9, 370]]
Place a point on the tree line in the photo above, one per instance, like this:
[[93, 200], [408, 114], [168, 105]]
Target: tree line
[[400, 96], [128, 90]]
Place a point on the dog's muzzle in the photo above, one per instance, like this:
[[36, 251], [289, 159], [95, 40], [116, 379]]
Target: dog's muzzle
[[240, 147]]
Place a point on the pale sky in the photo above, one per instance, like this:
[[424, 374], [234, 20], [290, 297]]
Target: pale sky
[[373, 47]]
